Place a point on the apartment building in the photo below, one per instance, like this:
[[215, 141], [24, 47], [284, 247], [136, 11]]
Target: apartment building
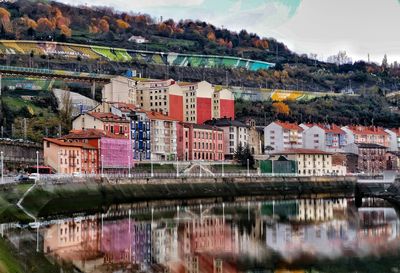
[[120, 89], [163, 131], [114, 152], [69, 157], [364, 134], [183, 101], [235, 133], [309, 161], [325, 137], [200, 142], [108, 122], [394, 139], [371, 157], [280, 136], [140, 128]]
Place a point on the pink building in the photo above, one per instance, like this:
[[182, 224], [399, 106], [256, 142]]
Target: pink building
[[200, 142], [115, 153]]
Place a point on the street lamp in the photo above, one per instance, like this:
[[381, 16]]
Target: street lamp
[[102, 165], [223, 171], [129, 162], [177, 166], [151, 162], [37, 164], [2, 167], [248, 168]]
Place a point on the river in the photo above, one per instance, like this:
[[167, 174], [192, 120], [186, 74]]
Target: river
[[303, 235]]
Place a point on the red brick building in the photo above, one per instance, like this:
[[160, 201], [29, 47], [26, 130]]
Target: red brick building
[[200, 142]]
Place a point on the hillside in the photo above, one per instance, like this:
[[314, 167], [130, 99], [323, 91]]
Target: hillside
[[40, 20]]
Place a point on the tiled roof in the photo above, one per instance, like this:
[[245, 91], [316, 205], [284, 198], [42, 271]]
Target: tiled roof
[[201, 126], [157, 115], [65, 143], [289, 126], [225, 122], [107, 117], [367, 130], [370, 145], [90, 133], [301, 151], [328, 128], [125, 106]]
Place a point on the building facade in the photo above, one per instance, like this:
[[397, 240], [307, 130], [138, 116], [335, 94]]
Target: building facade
[[309, 161], [200, 142], [280, 136], [120, 89], [371, 157], [140, 127], [235, 133], [368, 135], [67, 157], [394, 136], [108, 122], [325, 137], [163, 131]]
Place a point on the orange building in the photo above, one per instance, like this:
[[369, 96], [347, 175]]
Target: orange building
[[69, 157]]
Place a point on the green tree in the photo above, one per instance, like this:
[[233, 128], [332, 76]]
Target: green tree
[[242, 154]]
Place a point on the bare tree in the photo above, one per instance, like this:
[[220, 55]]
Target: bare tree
[[340, 58]]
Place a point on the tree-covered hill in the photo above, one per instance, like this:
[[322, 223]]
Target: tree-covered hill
[[47, 20]]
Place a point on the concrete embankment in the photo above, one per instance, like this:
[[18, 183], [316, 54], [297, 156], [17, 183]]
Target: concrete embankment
[[85, 197]]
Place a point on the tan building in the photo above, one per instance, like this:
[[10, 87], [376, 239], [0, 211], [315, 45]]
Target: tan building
[[255, 138], [108, 122], [120, 89], [309, 162]]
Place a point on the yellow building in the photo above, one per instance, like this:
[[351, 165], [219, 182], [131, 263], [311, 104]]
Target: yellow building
[[309, 162]]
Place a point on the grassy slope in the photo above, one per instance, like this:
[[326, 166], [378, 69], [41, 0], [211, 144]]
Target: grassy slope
[[8, 260]]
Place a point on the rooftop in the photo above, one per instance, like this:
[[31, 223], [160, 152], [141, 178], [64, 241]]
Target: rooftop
[[66, 143], [225, 122], [371, 130], [90, 133], [289, 126], [107, 117], [328, 128], [201, 126], [158, 116], [302, 151], [370, 145]]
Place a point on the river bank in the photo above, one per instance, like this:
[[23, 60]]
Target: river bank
[[53, 199]]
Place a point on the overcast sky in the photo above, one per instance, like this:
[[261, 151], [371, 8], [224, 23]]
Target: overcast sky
[[307, 26]]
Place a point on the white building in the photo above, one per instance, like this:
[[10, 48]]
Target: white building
[[394, 139], [120, 89], [325, 137], [235, 133], [282, 136]]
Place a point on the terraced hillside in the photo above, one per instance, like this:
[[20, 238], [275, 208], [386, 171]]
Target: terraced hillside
[[91, 52]]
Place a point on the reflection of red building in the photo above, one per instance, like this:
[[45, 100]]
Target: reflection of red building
[[202, 241]]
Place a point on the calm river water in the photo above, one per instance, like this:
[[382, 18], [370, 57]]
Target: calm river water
[[305, 235]]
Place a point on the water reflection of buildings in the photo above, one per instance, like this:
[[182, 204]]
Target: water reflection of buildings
[[204, 241], [213, 243], [74, 239]]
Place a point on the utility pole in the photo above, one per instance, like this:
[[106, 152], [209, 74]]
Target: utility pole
[[227, 79], [24, 128]]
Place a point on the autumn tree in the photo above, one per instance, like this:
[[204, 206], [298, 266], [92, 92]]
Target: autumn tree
[[44, 25], [5, 19], [122, 24], [281, 108]]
